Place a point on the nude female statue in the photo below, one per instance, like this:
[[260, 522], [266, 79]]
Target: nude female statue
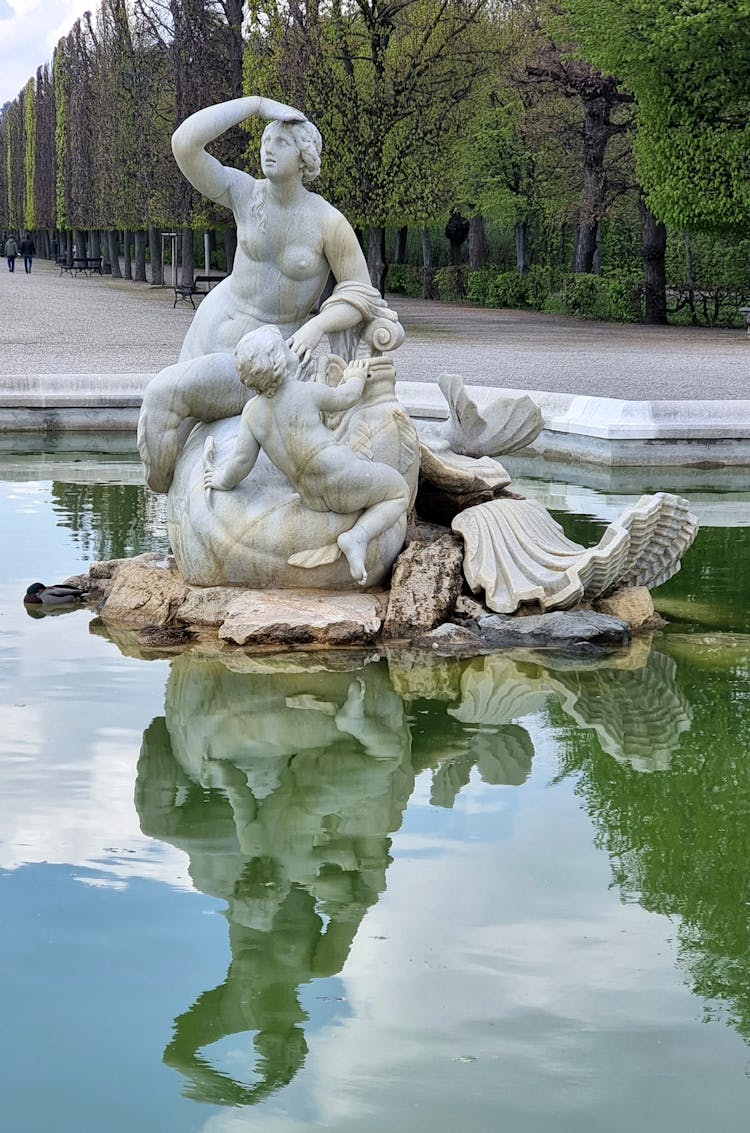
[[288, 241]]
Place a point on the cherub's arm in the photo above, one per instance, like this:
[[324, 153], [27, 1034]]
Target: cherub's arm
[[334, 398], [228, 475]]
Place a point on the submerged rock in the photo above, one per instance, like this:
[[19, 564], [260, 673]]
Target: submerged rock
[[561, 629]]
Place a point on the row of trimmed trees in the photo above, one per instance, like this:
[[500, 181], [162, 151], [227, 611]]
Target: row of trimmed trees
[[490, 112]]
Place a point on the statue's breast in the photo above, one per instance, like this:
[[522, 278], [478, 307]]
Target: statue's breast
[[299, 262]]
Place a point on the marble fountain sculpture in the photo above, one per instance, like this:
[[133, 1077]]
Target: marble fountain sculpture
[[277, 437]]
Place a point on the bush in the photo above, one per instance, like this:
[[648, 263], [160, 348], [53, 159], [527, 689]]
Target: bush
[[450, 283], [585, 296], [478, 285], [491, 288], [404, 279], [625, 299], [614, 299]]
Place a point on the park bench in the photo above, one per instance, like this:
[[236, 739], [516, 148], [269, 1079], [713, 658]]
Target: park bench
[[201, 285], [83, 264]]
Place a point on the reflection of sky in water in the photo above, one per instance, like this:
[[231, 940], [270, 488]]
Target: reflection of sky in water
[[498, 980]]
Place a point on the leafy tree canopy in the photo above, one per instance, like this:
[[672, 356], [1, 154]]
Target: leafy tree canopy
[[688, 64]]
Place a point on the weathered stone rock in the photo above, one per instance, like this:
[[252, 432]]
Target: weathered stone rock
[[632, 604], [207, 606], [145, 591], [420, 531], [467, 607], [167, 636], [289, 618], [426, 582], [556, 630], [450, 640]]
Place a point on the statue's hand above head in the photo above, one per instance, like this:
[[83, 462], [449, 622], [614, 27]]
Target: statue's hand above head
[[274, 111]]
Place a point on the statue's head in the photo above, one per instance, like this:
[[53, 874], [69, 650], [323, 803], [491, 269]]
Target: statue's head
[[308, 143], [263, 360]]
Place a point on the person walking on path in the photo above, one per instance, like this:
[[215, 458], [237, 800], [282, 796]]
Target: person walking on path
[[11, 251], [28, 251]]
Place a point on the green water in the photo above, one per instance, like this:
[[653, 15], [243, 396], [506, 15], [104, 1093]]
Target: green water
[[380, 894]]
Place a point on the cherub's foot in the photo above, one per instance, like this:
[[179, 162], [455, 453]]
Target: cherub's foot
[[354, 544]]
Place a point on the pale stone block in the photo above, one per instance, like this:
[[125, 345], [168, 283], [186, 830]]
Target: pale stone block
[[207, 606], [281, 617], [632, 604], [144, 593]]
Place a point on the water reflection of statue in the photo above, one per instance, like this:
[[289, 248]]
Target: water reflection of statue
[[282, 789], [282, 780]]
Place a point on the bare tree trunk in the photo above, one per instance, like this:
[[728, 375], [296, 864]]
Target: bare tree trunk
[[80, 240], [689, 279], [477, 244], [654, 247], [376, 261], [230, 246], [597, 264], [428, 267], [523, 251], [139, 275], [95, 249], [154, 247], [114, 252], [187, 271], [106, 262], [399, 252], [127, 264], [597, 130]]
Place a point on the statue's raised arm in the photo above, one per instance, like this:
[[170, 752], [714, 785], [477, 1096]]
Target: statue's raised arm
[[189, 140]]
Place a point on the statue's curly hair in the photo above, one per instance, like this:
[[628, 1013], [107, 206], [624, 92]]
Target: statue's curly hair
[[261, 359], [309, 145]]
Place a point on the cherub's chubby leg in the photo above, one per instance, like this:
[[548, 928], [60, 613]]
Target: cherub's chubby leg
[[205, 389], [353, 544], [385, 502]]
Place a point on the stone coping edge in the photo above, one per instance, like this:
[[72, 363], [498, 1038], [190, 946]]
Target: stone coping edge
[[605, 418]]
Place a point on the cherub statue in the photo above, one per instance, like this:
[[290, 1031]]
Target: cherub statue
[[286, 421]]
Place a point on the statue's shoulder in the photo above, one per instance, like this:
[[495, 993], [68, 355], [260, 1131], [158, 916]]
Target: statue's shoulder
[[242, 186], [329, 217]]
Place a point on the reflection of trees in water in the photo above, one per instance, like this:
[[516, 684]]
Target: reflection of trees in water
[[111, 521], [283, 780], [679, 841]]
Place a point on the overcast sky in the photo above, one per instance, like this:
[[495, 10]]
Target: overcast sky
[[29, 30]]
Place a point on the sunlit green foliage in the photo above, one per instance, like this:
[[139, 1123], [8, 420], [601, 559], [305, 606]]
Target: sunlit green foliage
[[61, 80], [29, 119], [688, 64], [388, 84]]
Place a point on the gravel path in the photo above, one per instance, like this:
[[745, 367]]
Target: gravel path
[[52, 324]]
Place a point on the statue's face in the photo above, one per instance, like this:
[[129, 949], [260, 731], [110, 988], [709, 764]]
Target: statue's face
[[279, 156]]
